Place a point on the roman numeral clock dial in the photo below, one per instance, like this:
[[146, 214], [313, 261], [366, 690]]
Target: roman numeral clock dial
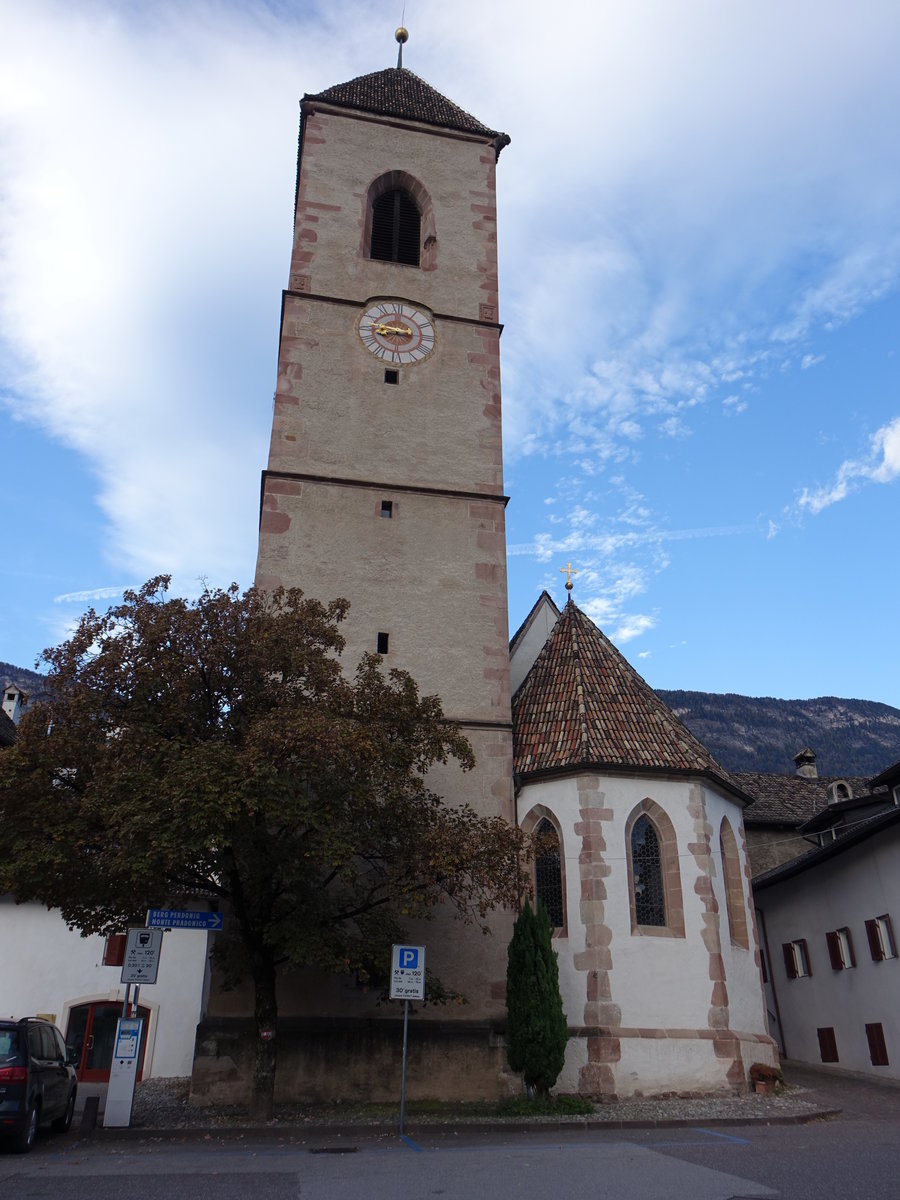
[[396, 332]]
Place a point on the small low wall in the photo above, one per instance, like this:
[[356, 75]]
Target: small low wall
[[329, 1060]]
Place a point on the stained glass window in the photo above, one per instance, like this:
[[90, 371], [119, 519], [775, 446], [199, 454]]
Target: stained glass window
[[548, 874], [649, 895]]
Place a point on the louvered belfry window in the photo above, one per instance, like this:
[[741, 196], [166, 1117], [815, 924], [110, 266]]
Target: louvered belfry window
[[548, 875], [396, 228], [649, 896]]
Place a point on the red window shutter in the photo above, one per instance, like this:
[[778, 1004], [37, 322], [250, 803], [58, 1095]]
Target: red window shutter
[[834, 953], [789, 964], [874, 941], [877, 1047], [114, 950], [827, 1045]]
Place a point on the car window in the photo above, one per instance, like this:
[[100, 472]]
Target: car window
[[48, 1044], [34, 1041], [9, 1045], [59, 1043]]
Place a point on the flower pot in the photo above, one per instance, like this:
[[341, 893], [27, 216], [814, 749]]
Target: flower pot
[[764, 1087]]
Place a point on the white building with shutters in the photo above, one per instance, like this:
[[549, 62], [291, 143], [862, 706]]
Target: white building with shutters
[[829, 927]]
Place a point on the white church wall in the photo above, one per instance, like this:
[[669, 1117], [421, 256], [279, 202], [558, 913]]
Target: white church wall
[[663, 996]]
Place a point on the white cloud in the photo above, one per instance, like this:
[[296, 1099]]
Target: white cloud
[[632, 627], [725, 195], [90, 595], [811, 360], [881, 465]]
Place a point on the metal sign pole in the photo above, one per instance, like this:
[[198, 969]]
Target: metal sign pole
[[403, 1076]]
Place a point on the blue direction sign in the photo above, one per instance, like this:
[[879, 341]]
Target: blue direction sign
[[174, 918]]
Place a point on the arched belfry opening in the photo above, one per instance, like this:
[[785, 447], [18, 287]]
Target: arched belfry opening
[[396, 228], [399, 221]]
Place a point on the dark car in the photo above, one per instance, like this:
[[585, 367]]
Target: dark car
[[37, 1081]]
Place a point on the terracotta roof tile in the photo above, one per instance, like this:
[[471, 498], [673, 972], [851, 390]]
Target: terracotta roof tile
[[397, 92], [790, 799], [582, 704]]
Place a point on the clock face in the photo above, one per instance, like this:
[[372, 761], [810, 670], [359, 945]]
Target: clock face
[[397, 332]]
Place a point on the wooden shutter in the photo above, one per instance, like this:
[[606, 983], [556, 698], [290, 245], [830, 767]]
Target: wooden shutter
[[114, 950], [877, 1047], [834, 953], [874, 941], [827, 1045], [790, 963]]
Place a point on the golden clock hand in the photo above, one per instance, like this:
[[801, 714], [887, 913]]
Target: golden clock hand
[[383, 329]]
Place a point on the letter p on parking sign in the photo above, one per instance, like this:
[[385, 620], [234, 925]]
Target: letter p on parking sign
[[408, 973]]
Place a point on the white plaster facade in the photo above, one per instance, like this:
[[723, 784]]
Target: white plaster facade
[[659, 1007], [841, 887], [47, 968]]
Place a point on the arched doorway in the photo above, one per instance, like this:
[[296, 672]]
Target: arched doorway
[[90, 1035]]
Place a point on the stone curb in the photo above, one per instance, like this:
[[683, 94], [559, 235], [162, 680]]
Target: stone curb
[[385, 1129]]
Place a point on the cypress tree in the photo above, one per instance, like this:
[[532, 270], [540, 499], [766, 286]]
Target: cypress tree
[[536, 1030]]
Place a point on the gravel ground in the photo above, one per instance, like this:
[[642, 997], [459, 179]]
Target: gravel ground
[[163, 1104]]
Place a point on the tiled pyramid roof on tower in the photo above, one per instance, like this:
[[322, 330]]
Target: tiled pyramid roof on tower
[[396, 92], [583, 705]]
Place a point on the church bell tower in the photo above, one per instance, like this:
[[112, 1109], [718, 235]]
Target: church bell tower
[[384, 481]]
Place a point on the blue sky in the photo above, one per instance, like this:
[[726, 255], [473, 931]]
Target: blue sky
[[700, 257]]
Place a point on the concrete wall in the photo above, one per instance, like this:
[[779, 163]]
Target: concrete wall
[[842, 892], [48, 968]]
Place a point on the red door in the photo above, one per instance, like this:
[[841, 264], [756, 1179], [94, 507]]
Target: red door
[[91, 1034]]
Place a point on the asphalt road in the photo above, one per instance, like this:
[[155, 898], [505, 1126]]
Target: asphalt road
[[855, 1155]]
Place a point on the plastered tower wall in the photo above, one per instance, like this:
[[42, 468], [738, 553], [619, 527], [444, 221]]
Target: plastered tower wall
[[433, 575]]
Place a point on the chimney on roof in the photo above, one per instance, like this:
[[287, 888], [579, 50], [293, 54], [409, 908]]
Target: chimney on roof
[[805, 761]]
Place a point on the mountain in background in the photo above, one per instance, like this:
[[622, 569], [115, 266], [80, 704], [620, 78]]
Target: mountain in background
[[849, 737]]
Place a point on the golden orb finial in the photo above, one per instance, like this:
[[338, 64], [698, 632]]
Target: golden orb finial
[[402, 35]]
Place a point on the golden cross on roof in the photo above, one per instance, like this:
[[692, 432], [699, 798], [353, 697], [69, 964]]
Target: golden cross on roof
[[568, 570]]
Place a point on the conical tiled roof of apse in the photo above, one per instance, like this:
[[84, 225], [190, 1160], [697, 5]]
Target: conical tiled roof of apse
[[396, 92], [583, 706]]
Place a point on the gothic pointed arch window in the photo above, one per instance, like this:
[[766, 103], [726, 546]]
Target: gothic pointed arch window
[[735, 905], [549, 866], [654, 877], [548, 874]]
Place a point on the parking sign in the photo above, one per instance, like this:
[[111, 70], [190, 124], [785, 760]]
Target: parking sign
[[408, 973]]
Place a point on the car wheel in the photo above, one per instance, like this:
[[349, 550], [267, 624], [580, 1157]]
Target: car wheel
[[63, 1123], [24, 1139]]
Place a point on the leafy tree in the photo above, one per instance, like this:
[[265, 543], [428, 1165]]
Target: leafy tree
[[536, 1030], [216, 747]]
